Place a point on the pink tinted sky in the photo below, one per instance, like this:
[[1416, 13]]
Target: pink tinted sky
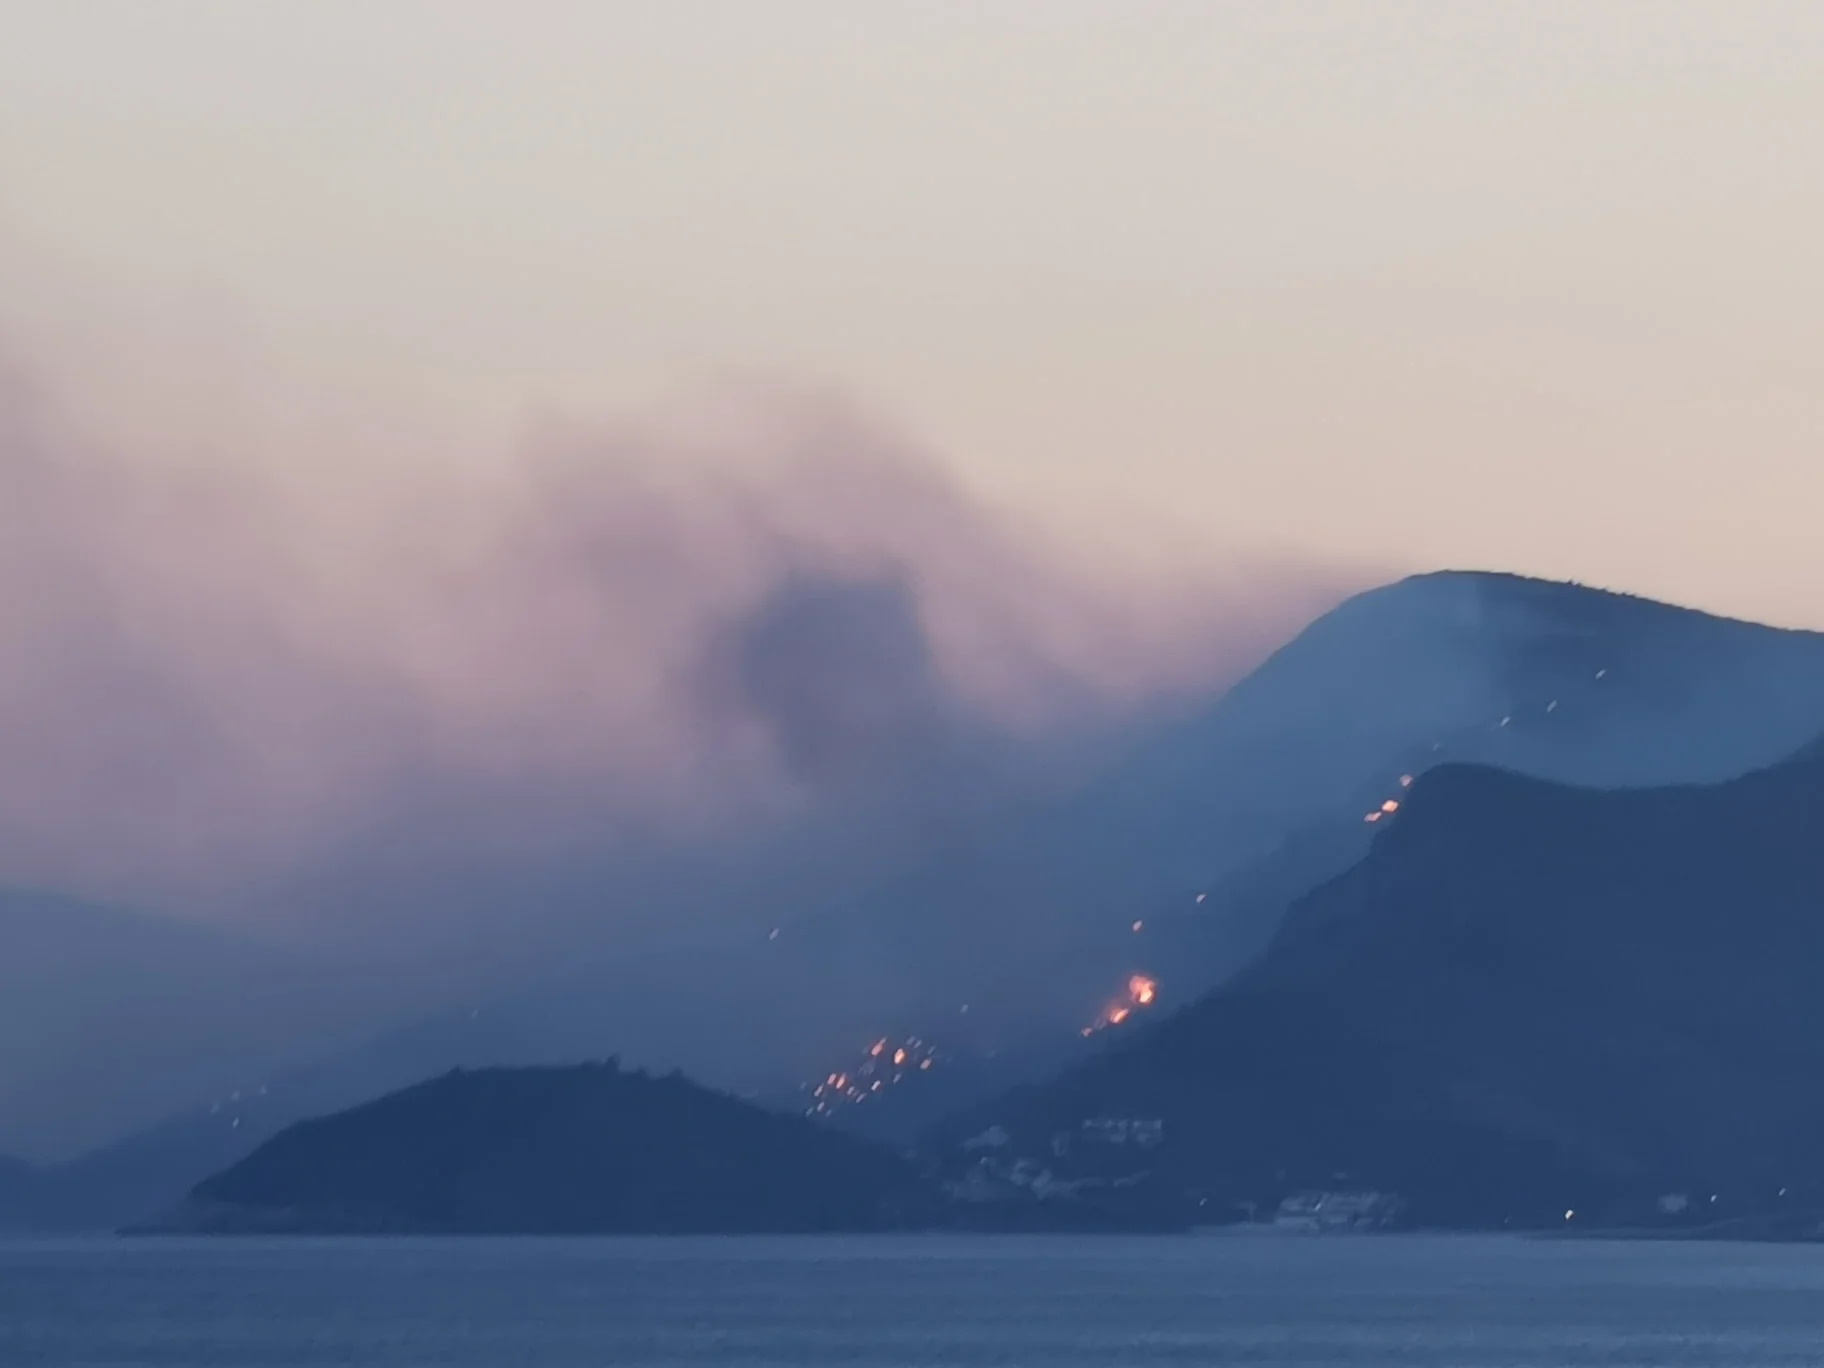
[[1532, 286], [1130, 333]]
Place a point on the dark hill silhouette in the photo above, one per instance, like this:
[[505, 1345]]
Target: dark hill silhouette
[[1529, 998], [588, 1149], [1025, 913]]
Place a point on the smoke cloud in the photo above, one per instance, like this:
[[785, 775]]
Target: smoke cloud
[[370, 683]]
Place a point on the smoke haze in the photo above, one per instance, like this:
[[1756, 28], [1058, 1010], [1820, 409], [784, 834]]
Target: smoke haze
[[234, 676]]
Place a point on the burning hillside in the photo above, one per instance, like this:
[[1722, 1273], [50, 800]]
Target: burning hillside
[[885, 1064], [1142, 992]]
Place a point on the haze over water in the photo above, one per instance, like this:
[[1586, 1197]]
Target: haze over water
[[1417, 1302]]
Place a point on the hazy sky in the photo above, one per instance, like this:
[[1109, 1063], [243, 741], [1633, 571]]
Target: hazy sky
[[411, 399], [1525, 285], [452, 449]]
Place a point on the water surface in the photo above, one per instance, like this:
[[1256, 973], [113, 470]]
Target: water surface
[[1046, 1302]]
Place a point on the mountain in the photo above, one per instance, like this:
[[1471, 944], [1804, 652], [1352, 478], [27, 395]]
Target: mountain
[[588, 1149], [1016, 929], [1025, 918], [1259, 796], [1528, 999], [111, 1020]]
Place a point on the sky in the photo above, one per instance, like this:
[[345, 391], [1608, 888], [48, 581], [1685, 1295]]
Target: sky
[[390, 387], [476, 478], [1521, 285]]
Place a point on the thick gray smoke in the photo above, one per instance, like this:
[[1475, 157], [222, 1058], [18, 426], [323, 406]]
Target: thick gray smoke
[[227, 681], [444, 716]]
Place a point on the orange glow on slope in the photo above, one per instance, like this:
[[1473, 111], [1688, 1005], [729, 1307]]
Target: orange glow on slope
[[882, 1065], [1142, 992]]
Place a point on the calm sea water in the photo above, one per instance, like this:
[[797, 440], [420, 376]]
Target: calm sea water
[[1048, 1302]]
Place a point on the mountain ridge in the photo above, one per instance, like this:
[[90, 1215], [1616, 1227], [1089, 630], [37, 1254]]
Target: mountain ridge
[[1529, 998]]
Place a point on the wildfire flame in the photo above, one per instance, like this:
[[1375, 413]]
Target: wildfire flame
[[882, 1065], [1142, 991]]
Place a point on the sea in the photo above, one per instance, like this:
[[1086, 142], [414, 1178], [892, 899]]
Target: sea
[[1047, 1302]]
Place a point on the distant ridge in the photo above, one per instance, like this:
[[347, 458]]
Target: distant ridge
[[1529, 999], [1204, 829]]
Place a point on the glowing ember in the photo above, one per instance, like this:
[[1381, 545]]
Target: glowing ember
[[1405, 781], [1391, 805], [1374, 816], [882, 1065], [1142, 991], [1139, 926]]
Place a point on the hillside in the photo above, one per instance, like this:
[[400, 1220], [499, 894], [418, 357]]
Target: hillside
[[1025, 916], [1014, 933], [111, 1020], [1528, 999], [588, 1149]]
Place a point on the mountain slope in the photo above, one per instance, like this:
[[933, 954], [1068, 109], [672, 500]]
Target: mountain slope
[[1026, 917], [1594, 688], [1528, 998], [111, 1020], [1202, 830], [588, 1149]]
